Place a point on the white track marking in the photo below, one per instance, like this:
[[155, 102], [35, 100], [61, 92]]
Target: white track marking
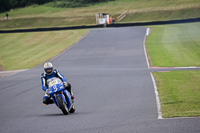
[[182, 118], [148, 31], [152, 77], [145, 52], [157, 97], [189, 67]]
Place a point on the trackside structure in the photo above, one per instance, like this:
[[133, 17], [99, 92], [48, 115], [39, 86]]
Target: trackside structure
[[102, 18]]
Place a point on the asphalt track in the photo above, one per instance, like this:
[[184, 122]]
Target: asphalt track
[[112, 84]]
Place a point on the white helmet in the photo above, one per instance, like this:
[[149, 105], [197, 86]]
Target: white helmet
[[48, 68]]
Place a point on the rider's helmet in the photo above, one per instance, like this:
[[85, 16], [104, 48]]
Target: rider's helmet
[[48, 68]]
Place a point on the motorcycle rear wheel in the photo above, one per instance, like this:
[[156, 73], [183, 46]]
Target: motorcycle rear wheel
[[63, 106], [72, 110]]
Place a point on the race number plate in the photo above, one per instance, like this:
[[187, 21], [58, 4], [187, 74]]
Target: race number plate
[[53, 82]]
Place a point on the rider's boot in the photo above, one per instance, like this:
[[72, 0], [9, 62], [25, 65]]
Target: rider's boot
[[47, 100]]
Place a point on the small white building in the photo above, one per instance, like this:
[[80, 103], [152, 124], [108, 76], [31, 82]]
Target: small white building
[[102, 18]]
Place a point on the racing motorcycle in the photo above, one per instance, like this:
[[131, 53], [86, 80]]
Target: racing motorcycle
[[61, 96]]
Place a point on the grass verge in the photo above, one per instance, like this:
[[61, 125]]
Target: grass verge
[[137, 11], [162, 15], [26, 50], [179, 93], [174, 45]]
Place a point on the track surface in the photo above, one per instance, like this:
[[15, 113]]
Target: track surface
[[112, 84]]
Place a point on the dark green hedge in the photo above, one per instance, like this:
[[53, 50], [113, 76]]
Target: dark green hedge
[[6, 5]]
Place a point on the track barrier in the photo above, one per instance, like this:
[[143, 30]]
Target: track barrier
[[103, 26]]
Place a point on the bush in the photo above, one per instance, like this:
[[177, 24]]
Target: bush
[[6, 5]]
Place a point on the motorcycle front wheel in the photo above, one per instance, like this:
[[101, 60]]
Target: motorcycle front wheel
[[62, 105]]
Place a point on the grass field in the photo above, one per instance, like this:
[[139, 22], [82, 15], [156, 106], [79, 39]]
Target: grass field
[[137, 11], [176, 45], [179, 92], [162, 15], [27, 50]]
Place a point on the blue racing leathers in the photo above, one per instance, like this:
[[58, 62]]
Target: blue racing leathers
[[45, 77]]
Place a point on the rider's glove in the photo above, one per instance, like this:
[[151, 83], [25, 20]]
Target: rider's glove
[[65, 84], [47, 91]]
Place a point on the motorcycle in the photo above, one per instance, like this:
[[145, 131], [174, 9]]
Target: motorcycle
[[61, 96]]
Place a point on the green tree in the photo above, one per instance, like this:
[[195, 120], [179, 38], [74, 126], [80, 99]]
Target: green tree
[[4, 5]]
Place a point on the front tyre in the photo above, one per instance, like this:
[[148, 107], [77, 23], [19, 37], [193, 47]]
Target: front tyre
[[62, 105]]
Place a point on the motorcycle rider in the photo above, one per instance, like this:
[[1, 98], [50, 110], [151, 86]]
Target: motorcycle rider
[[51, 73]]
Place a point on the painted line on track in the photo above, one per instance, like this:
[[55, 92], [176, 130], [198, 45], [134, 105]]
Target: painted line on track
[[175, 67], [159, 111], [176, 118], [144, 46], [157, 97]]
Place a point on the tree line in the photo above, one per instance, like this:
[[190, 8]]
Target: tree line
[[6, 5]]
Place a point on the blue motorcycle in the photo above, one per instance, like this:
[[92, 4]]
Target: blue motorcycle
[[61, 96]]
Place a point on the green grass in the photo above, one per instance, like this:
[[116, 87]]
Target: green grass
[[174, 45], [43, 22], [162, 15], [179, 92], [137, 11], [27, 50]]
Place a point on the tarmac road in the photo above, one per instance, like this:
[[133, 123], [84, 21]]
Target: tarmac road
[[112, 85]]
